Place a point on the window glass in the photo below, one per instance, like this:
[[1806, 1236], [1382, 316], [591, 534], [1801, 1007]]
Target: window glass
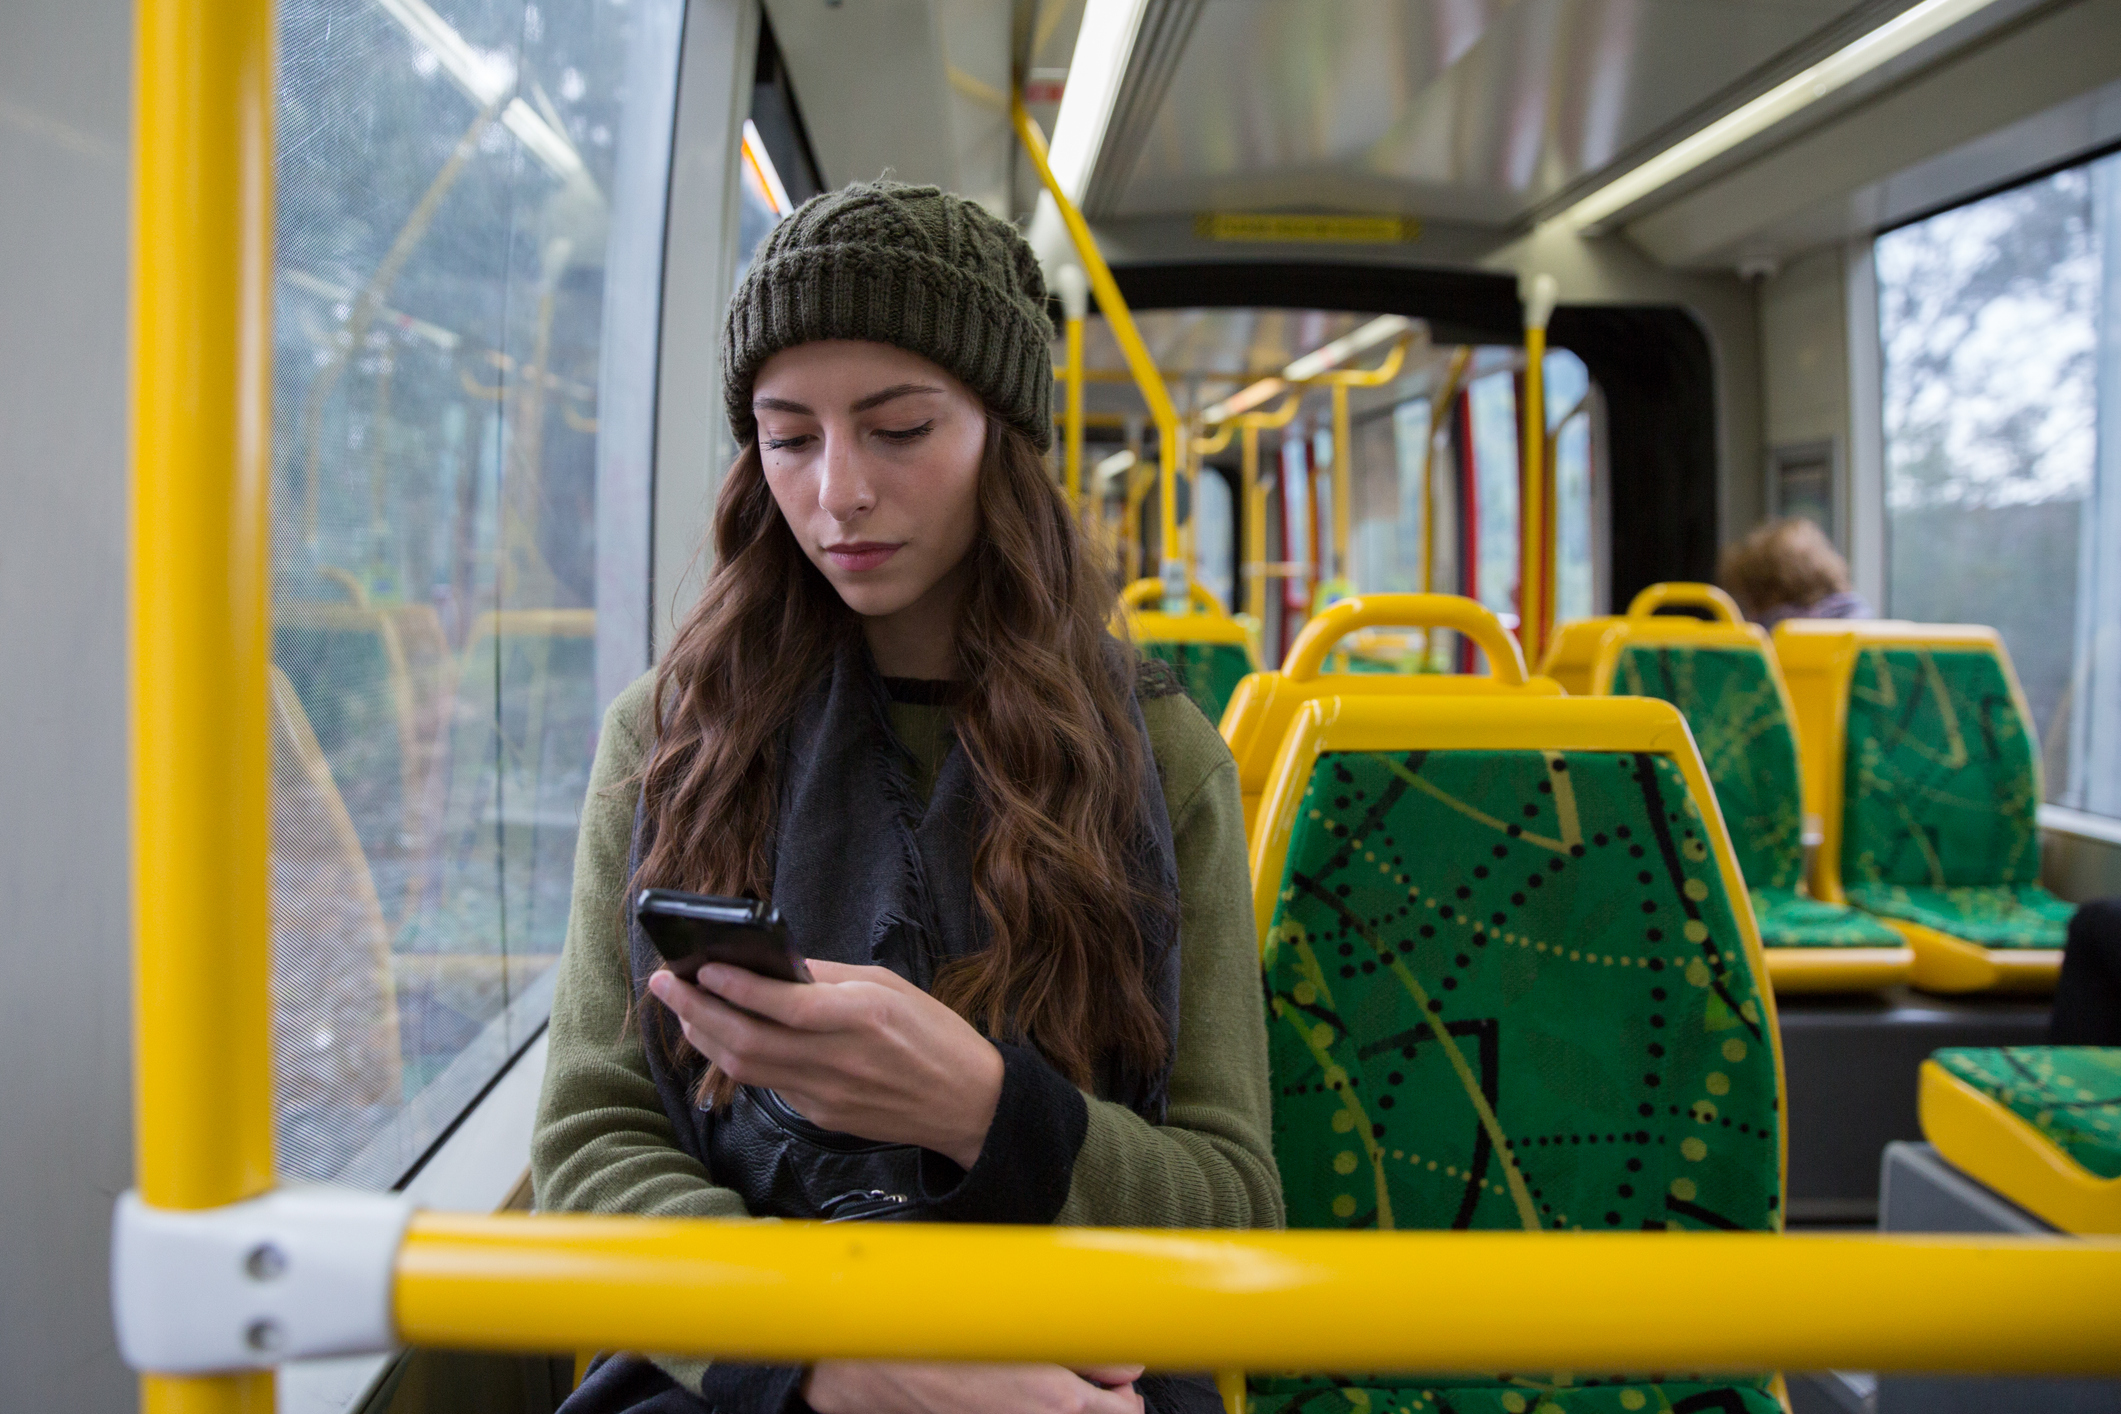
[[1495, 476], [1298, 545], [1215, 537], [1996, 343], [1568, 396], [442, 172]]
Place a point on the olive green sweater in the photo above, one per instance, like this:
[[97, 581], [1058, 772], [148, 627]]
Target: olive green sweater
[[604, 1145]]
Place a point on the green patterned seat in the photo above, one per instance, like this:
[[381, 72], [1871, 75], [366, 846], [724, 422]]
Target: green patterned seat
[[2071, 1094], [1210, 671], [1940, 794], [1507, 990], [1731, 704]]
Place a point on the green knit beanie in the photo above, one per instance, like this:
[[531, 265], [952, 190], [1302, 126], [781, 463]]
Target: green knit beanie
[[917, 267]]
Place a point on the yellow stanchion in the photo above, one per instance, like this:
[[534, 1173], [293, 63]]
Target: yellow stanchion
[[1074, 294], [1254, 491], [1343, 468], [1261, 1300], [1535, 522], [1114, 307], [202, 340]]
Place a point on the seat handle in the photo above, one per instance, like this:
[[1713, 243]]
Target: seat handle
[[1682, 594], [1452, 611], [1149, 591]]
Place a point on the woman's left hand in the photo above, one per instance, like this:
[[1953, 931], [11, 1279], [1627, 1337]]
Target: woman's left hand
[[860, 1050]]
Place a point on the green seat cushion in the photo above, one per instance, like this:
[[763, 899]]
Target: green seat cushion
[[1507, 990], [1729, 699], [1209, 671], [1324, 1396], [1941, 783], [1788, 919], [2071, 1094], [2002, 916]]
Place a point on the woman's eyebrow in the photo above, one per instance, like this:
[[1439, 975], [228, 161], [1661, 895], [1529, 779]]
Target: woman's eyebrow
[[780, 405], [896, 390]]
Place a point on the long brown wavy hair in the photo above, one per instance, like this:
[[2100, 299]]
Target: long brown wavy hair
[[1042, 717]]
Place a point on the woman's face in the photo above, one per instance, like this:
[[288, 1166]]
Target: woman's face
[[874, 456]]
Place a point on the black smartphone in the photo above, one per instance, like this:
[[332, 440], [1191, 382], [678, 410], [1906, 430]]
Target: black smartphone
[[692, 930]]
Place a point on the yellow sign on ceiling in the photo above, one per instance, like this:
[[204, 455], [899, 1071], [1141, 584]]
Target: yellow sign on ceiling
[[1347, 230]]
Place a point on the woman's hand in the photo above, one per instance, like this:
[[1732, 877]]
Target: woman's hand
[[871, 1387], [860, 1050]]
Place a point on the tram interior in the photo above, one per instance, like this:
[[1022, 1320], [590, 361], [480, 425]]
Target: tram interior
[[503, 234]]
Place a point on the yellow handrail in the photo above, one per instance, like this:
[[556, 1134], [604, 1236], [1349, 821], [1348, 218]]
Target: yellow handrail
[[1251, 424], [1114, 307], [1688, 595], [1343, 454], [202, 344], [1260, 1300]]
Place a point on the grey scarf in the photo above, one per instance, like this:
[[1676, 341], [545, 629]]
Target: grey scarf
[[864, 874]]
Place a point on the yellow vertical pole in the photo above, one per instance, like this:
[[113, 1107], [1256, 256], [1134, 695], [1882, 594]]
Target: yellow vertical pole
[[201, 340], [1343, 480], [1074, 292], [1535, 572], [1255, 527], [1532, 566], [1114, 307], [1072, 457]]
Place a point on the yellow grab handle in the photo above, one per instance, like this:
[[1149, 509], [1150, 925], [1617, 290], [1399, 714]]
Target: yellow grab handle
[[1149, 591], [1681, 594], [1452, 611]]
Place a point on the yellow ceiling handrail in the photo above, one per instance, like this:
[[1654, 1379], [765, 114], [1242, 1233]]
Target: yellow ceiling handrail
[[1114, 307]]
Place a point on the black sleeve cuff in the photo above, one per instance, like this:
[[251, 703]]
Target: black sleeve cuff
[[755, 1389], [1024, 1170]]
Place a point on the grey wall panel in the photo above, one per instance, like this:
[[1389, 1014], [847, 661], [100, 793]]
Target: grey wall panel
[[65, 1091], [699, 270]]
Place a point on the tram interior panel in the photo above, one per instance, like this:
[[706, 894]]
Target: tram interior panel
[[1923, 358]]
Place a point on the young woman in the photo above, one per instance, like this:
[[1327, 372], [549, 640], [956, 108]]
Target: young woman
[[1014, 855]]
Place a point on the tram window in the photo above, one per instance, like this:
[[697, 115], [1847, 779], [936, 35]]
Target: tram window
[[1999, 448], [442, 184], [1492, 401], [1386, 546], [1297, 542], [1568, 398], [1215, 537]]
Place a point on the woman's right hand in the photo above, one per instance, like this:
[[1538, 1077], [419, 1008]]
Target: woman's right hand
[[877, 1387]]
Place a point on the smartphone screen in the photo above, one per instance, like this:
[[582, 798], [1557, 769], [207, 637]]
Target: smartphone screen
[[691, 930]]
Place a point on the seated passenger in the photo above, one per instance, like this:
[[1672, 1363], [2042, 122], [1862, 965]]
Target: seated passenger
[[2088, 993], [1788, 569], [1013, 851]]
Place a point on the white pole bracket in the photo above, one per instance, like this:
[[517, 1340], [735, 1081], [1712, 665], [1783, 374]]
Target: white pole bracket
[[298, 1273]]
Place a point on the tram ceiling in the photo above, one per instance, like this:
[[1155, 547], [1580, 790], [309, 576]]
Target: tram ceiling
[[1484, 114]]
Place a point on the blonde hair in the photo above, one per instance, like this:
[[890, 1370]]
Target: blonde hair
[[1784, 563]]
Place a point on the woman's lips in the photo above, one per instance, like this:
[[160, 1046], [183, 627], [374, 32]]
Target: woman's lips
[[861, 555]]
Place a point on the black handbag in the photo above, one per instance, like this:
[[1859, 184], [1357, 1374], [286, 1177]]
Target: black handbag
[[784, 1166]]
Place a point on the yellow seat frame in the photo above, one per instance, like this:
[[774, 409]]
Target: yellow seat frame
[[1988, 1142], [1534, 719], [1265, 704], [1818, 658], [1206, 621], [1583, 658]]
